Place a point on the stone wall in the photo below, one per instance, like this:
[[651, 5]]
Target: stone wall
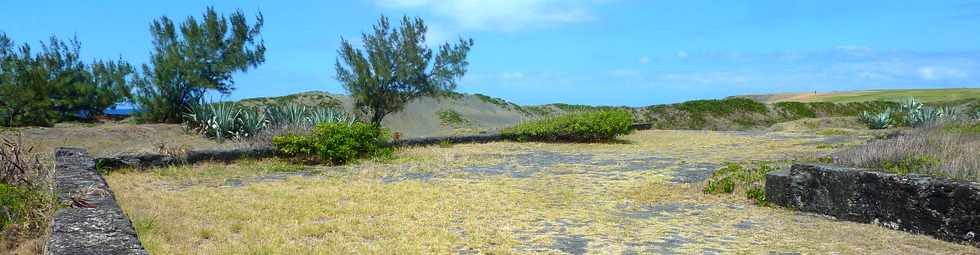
[[939, 207], [90, 222]]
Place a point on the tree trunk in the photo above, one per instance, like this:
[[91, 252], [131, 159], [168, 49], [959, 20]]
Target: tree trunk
[[376, 118]]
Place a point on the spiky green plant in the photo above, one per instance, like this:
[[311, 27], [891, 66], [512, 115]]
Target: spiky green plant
[[251, 121], [923, 116], [910, 105], [949, 113], [881, 120], [288, 114], [327, 115]]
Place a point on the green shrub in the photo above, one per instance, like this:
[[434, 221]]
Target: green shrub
[[734, 177], [796, 110], [14, 203], [907, 165], [721, 107], [577, 127], [451, 118], [336, 143]]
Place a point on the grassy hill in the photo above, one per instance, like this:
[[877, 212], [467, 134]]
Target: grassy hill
[[475, 113], [457, 114], [925, 95]]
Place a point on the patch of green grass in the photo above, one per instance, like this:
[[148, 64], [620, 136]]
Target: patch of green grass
[[494, 101], [722, 107], [734, 177], [908, 165], [966, 128], [452, 118], [897, 95], [796, 109]]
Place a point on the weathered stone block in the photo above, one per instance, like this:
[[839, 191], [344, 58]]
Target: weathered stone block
[[94, 224], [946, 209]]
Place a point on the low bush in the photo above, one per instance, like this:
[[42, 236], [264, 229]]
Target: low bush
[[734, 178], [949, 149], [336, 143], [26, 200], [451, 118], [594, 126]]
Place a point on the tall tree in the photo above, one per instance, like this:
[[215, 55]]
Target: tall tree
[[54, 84], [396, 67], [201, 56]]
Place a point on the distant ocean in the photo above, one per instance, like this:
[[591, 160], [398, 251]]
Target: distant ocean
[[120, 111]]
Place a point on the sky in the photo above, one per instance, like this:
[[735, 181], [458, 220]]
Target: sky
[[599, 52]]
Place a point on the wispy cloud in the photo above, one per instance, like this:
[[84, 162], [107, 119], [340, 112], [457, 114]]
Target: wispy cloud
[[501, 15]]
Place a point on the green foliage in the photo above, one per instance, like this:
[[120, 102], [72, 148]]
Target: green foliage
[[576, 127], [963, 127], [880, 120], [907, 165], [724, 106], [396, 67], [293, 145], [55, 85], [200, 56], [336, 143], [451, 118], [733, 177], [796, 109], [493, 100], [15, 203], [231, 120]]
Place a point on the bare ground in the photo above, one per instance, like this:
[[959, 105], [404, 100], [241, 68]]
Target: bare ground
[[638, 196]]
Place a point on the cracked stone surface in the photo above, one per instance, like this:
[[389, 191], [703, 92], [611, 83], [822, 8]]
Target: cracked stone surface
[[102, 229]]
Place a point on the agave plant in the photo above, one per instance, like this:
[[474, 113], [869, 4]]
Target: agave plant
[[251, 121], [328, 115], [925, 116], [288, 114], [910, 105], [948, 113], [880, 120]]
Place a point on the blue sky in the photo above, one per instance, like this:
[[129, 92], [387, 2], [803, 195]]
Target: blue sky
[[608, 52]]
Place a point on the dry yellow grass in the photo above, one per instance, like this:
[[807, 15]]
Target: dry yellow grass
[[588, 198]]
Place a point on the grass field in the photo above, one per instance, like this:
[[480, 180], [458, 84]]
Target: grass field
[[640, 195], [924, 95]]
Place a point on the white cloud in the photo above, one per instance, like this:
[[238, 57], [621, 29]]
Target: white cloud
[[940, 73], [505, 15], [682, 54], [644, 60]]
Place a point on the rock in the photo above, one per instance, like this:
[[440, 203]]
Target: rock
[[98, 227], [935, 206]]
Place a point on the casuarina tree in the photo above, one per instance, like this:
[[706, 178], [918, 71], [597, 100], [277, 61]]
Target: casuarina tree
[[396, 66], [196, 57]]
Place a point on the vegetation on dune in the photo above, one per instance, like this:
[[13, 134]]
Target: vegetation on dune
[[336, 143], [946, 149], [309, 99], [26, 201], [911, 113], [53, 84], [223, 120], [396, 67], [594, 126], [198, 57], [743, 113], [451, 118]]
